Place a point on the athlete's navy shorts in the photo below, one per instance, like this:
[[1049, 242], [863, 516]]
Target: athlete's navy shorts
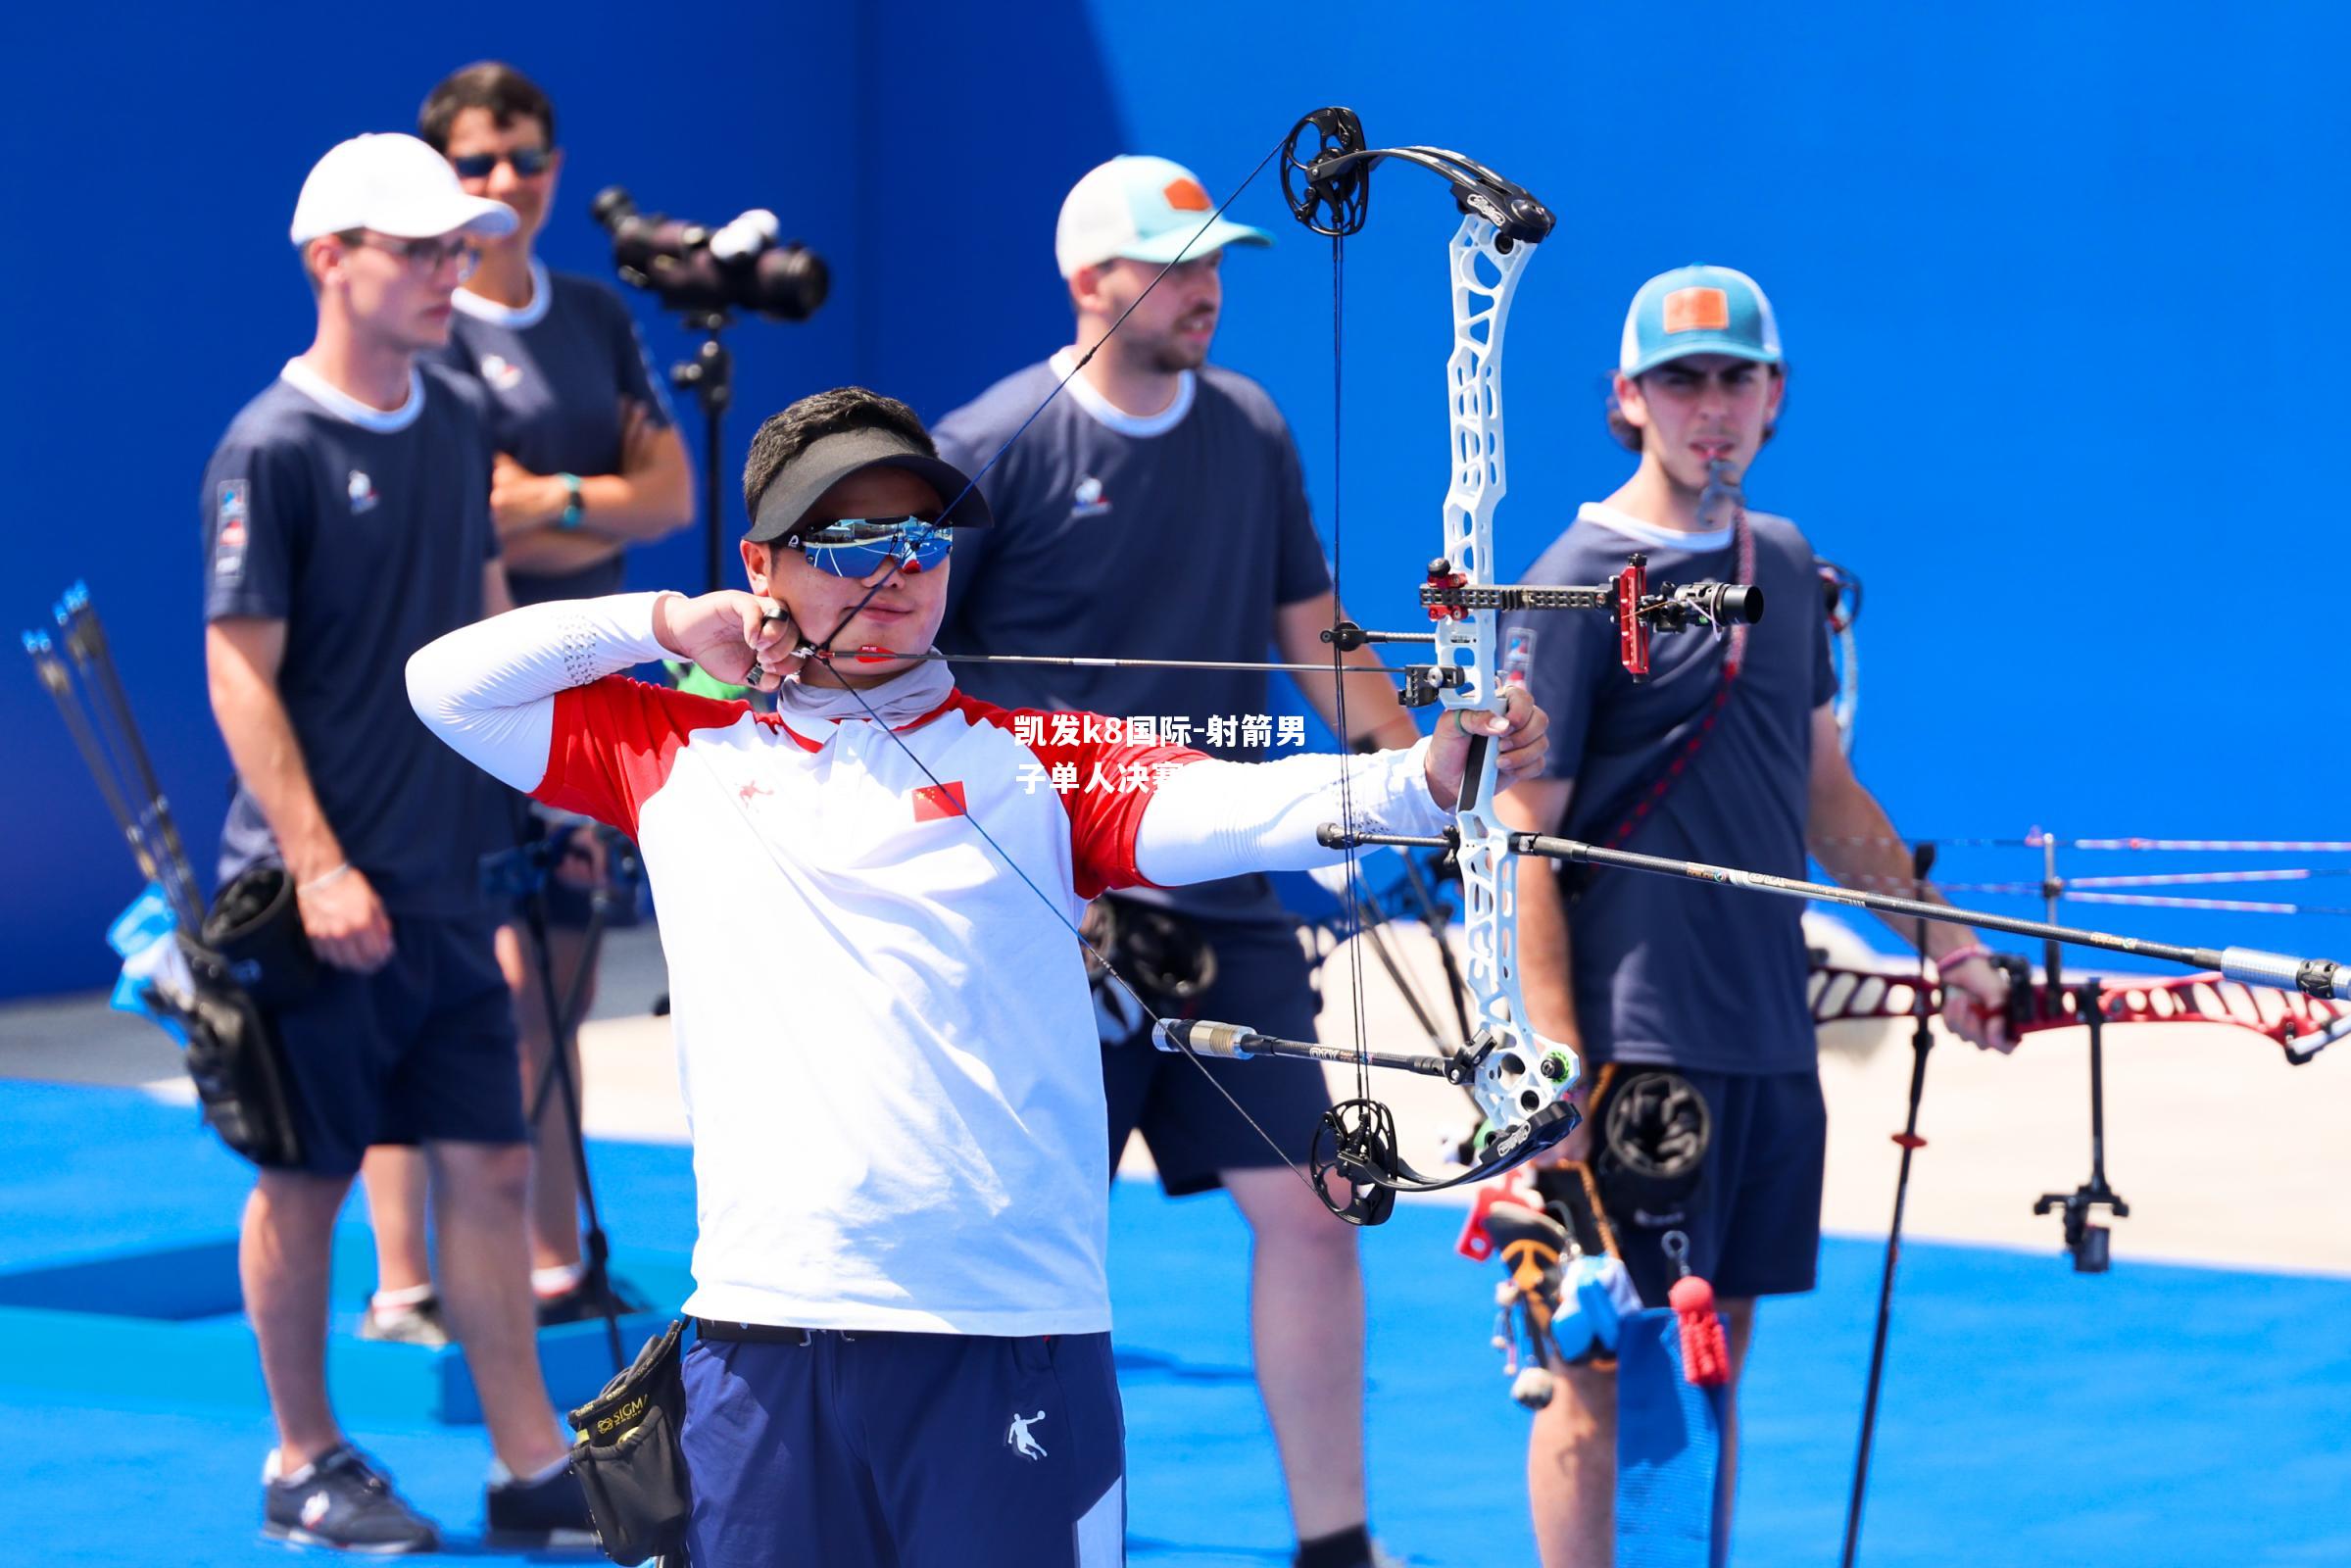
[[1191, 1131], [420, 1051], [903, 1450], [1754, 1222]]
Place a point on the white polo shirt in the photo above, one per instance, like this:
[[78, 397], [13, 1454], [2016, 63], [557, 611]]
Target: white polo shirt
[[884, 1036]]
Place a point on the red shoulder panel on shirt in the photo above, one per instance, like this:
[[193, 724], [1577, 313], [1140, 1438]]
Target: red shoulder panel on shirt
[[1113, 781], [616, 741]]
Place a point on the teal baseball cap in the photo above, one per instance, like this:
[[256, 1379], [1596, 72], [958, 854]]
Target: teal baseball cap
[[1145, 210], [1698, 310]]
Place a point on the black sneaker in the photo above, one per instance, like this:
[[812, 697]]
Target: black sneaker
[[347, 1504], [587, 1300], [553, 1512]]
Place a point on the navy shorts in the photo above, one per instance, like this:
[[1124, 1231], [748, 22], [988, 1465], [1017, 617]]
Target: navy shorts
[[1754, 1222], [1191, 1130], [903, 1450], [420, 1051]]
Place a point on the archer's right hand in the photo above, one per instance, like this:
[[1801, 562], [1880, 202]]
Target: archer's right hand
[[346, 921], [741, 638]]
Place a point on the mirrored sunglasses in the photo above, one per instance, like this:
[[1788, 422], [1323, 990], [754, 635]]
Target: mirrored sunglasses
[[859, 547]]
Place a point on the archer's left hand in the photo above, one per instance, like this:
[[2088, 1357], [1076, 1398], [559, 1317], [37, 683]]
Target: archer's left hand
[[1976, 1004], [1519, 733]]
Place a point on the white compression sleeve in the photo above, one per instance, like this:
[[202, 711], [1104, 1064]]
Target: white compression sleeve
[[488, 689], [1215, 818]]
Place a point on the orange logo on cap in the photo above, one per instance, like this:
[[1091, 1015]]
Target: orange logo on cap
[[1694, 310], [1186, 196]]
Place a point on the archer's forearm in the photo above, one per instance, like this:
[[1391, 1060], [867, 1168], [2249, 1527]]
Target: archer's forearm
[[488, 690], [1213, 818], [650, 498], [268, 761], [1855, 841], [1374, 712]]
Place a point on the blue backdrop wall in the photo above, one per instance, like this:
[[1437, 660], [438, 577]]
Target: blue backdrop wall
[[2055, 282]]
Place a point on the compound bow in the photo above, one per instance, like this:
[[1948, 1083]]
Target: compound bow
[[1518, 1079]]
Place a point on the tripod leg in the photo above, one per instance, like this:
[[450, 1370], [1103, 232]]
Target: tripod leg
[[562, 1027], [1921, 1041]]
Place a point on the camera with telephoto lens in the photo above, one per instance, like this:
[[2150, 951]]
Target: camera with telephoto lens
[[687, 266]]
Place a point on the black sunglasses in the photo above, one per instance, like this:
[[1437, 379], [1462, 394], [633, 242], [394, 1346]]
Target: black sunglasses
[[527, 162]]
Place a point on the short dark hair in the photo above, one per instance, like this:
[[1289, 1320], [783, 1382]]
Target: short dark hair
[[786, 436], [507, 93], [1628, 434]]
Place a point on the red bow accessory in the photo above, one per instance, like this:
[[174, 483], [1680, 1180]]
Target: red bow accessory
[[1705, 1353]]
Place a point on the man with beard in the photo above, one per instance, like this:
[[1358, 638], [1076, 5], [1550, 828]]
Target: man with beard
[[1157, 511]]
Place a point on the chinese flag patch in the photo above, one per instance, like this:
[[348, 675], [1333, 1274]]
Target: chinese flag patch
[[935, 803], [1696, 309]]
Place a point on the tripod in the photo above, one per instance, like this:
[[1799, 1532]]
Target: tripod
[[711, 377], [523, 874]]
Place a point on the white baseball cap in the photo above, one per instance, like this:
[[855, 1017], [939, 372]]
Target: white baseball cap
[[1145, 210], [395, 185]]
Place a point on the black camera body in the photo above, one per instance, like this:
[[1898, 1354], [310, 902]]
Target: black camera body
[[738, 265]]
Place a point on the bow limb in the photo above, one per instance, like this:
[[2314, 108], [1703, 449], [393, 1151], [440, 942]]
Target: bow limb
[[2300, 1025], [1519, 1073]]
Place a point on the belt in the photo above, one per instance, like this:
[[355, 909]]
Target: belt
[[756, 1333]]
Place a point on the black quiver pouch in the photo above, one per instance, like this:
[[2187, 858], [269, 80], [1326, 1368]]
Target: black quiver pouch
[[235, 1061], [1652, 1131], [257, 930], [628, 1458]]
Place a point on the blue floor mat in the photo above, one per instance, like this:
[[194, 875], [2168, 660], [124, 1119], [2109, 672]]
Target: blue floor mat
[[2154, 1415]]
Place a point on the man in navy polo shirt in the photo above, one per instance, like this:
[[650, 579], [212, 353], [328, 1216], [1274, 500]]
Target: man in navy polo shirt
[[1727, 752], [1157, 511], [346, 524], [588, 462]]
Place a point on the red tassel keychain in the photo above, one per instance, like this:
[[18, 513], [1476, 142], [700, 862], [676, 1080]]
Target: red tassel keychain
[[1706, 1351]]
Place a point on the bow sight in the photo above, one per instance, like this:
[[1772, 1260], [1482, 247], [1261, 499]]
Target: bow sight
[[1639, 611]]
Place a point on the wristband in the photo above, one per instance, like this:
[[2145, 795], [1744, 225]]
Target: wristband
[[324, 878], [572, 513], [1959, 955]]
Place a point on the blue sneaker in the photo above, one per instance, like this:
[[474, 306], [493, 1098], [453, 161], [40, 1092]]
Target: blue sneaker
[[343, 1503]]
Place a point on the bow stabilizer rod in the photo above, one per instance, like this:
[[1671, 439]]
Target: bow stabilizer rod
[[1236, 1042], [2322, 978]]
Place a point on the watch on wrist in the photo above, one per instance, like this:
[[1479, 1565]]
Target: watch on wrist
[[572, 512]]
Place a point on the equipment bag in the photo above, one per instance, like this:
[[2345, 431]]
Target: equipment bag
[[629, 1459]]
